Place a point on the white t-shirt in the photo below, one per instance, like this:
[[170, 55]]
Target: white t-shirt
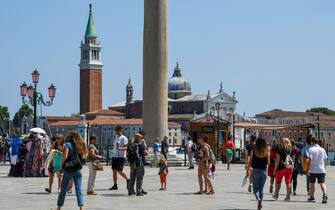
[[317, 155], [120, 141]]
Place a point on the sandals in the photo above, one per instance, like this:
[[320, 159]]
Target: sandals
[[47, 190], [199, 193], [210, 192]]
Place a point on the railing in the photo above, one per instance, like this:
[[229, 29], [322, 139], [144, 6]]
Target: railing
[[106, 151]]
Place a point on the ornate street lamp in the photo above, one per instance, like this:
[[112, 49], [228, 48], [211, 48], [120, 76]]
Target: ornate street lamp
[[52, 91], [30, 91], [35, 76], [33, 96], [24, 89]]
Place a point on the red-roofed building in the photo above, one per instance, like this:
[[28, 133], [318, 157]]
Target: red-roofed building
[[292, 120]]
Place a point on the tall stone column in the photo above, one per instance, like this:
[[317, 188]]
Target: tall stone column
[[155, 77]]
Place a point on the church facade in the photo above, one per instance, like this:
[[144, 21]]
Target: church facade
[[183, 105]]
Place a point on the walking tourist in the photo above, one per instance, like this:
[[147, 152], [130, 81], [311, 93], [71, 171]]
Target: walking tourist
[[317, 161], [163, 172], [165, 147], [273, 156], [15, 148], [75, 151], [22, 157], [284, 168], [304, 162], [297, 166], [6, 153], [155, 148], [119, 156], [229, 149], [92, 161], [190, 149], [259, 159], [54, 161], [136, 151], [203, 164], [248, 153]]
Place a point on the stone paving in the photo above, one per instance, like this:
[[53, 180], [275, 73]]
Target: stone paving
[[28, 193]]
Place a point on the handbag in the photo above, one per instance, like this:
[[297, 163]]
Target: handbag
[[73, 162], [97, 166]]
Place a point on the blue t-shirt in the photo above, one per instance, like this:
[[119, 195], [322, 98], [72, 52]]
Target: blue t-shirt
[[305, 150], [300, 144], [69, 146], [156, 146], [16, 146]]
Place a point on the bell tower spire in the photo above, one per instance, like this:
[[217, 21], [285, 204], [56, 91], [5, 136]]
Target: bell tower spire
[[90, 69], [129, 90], [90, 28]]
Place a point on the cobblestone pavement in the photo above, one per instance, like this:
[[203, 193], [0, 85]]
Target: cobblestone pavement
[[28, 193]]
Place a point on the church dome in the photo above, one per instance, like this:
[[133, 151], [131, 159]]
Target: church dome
[[177, 83]]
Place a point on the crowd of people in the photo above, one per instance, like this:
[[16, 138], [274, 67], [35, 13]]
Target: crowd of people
[[26, 154], [68, 154], [285, 159]]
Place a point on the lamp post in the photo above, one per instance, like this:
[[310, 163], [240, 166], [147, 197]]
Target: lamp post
[[217, 108], [35, 97]]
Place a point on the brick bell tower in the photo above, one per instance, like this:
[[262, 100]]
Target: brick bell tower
[[90, 70]]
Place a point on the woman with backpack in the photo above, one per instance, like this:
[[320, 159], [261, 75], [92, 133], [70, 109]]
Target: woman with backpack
[[259, 160], [53, 163], [75, 150], [204, 159], [284, 166]]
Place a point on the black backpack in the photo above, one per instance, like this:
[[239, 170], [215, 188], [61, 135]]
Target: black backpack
[[132, 153]]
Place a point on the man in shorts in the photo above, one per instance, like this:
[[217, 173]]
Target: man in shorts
[[119, 156], [229, 148], [317, 161]]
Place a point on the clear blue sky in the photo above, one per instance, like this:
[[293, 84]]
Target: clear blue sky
[[274, 54]]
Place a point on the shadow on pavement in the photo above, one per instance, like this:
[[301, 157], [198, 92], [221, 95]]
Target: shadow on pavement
[[114, 195], [36, 193], [185, 193], [236, 209], [244, 193]]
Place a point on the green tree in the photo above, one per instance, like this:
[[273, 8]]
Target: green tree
[[4, 118], [25, 110], [276, 110], [323, 110]]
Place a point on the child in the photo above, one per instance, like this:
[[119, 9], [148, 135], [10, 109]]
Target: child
[[211, 170], [54, 162], [163, 172]]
